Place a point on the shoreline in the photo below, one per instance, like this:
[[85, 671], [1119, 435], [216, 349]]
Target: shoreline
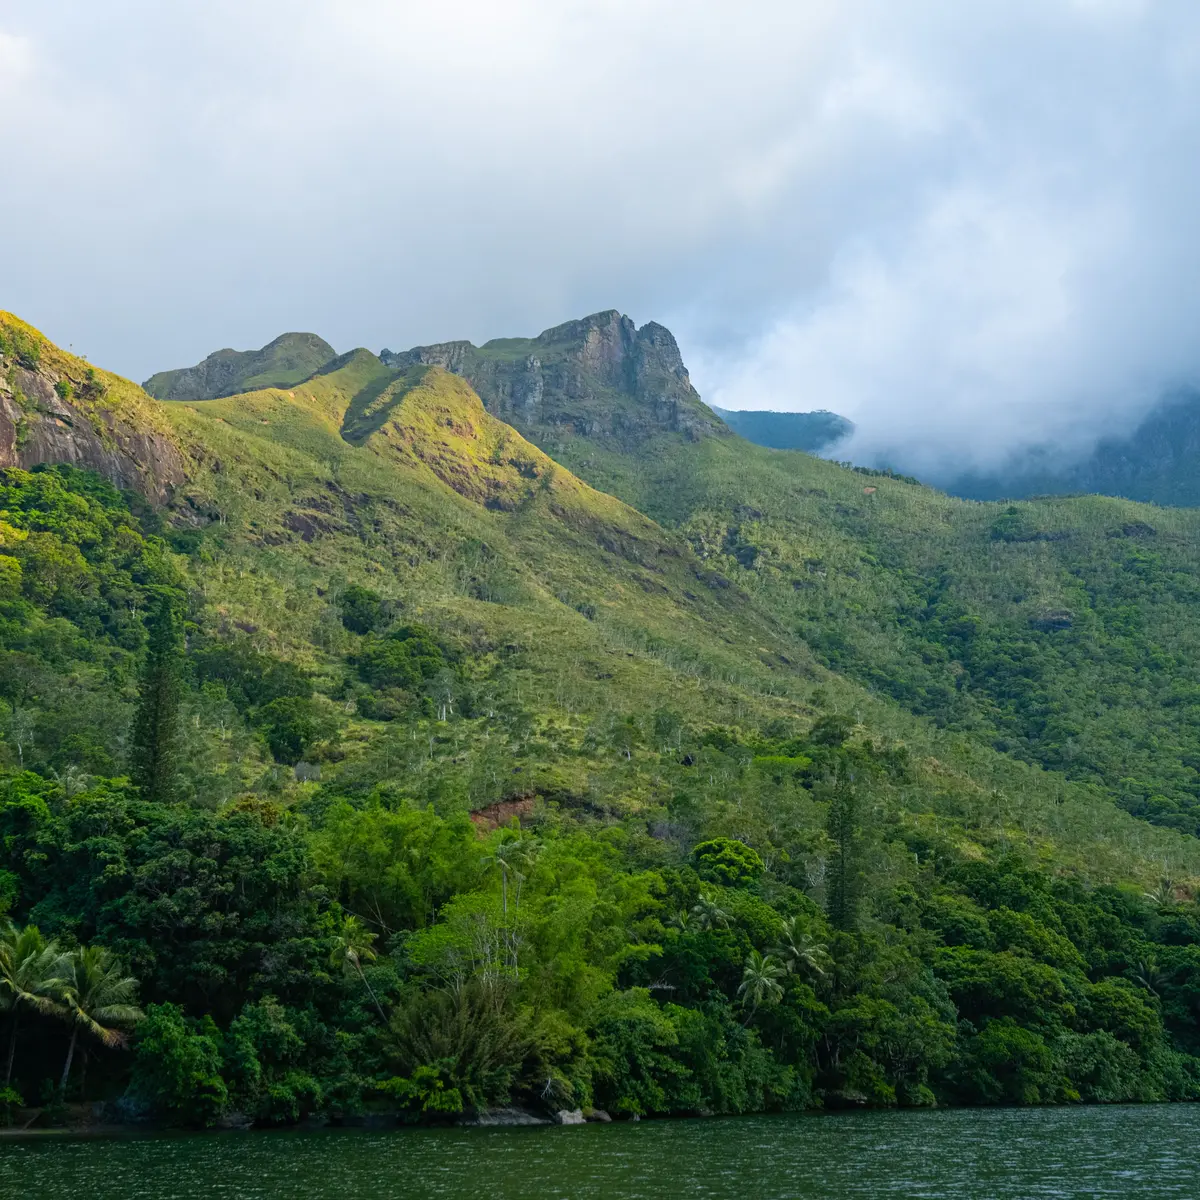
[[388, 1124]]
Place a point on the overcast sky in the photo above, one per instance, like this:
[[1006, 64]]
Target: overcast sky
[[966, 226]]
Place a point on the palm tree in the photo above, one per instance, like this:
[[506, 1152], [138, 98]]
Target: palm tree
[[96, 997], [509, 855], [682, 920], [28, 978], [760, 982], [708, 914], [1150, 976], [1163, 894], [354, 947], [798, 949]]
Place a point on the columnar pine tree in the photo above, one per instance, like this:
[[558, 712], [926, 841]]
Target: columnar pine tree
[[843, 872], [155, 749]]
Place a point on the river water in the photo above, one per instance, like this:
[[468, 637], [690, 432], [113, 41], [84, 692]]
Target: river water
[[960, 1154]]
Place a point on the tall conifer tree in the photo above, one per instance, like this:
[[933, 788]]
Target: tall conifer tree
[[844, 871], [156, 731]]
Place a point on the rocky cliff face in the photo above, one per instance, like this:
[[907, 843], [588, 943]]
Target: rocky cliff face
[[599, 377], [55, 409], [287, 360]]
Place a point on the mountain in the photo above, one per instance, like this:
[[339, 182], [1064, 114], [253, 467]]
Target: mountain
[[600, 378], [809, 431], [1009, 625], [1159, 463], [418, 761], [287, 360]]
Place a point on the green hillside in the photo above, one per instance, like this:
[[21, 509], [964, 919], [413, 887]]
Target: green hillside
[[401, 770], [1057, 630]]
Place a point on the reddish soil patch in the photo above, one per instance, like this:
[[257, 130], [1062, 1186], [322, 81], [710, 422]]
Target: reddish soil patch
[[503, 811]]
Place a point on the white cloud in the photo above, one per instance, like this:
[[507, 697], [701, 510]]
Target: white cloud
[[16, 59], [966, 226]]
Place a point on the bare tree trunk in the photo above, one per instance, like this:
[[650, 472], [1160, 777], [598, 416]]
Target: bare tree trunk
[[70, 1055], [83, 1078], [370, 992], [12, 1047]]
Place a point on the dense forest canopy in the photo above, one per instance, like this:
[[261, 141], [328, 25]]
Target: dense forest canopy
[[379, 763]]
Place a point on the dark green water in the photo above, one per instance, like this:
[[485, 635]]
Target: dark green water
[[959, 1155]]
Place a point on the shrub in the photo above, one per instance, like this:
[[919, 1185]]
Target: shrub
[[362, 610], [727, 862], [177, 1066]]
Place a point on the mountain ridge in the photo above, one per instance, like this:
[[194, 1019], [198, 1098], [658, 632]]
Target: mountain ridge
[[287, 359], [742, 521], [864, 565]]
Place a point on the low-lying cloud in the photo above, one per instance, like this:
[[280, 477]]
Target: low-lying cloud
[[967, 227]]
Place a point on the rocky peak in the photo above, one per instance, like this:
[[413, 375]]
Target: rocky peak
[[288, 360], [602, 344], [599, 376]]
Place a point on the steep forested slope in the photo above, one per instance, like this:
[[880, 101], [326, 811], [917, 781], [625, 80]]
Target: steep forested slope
[[472, 783]]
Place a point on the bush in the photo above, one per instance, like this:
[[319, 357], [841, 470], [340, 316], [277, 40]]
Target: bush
[[26, 349], [10, 1104], [1006, 1064], [1100, 1069], [634, 1047], [727, 862], [177, 1066], [290, 725], [362, 610], [473, 1040], [251, 678], [404, 659], [430, 1093]]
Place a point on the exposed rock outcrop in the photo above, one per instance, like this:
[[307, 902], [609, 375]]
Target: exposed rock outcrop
[[503, 1117], [599, 377], [54, 409]]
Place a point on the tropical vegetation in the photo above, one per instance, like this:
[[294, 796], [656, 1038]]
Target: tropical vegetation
[[386, 766]]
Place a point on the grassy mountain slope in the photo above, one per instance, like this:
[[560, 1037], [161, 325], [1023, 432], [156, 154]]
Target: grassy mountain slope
[[288, 359], [584, 621], [479, 529], [1057, 630]]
